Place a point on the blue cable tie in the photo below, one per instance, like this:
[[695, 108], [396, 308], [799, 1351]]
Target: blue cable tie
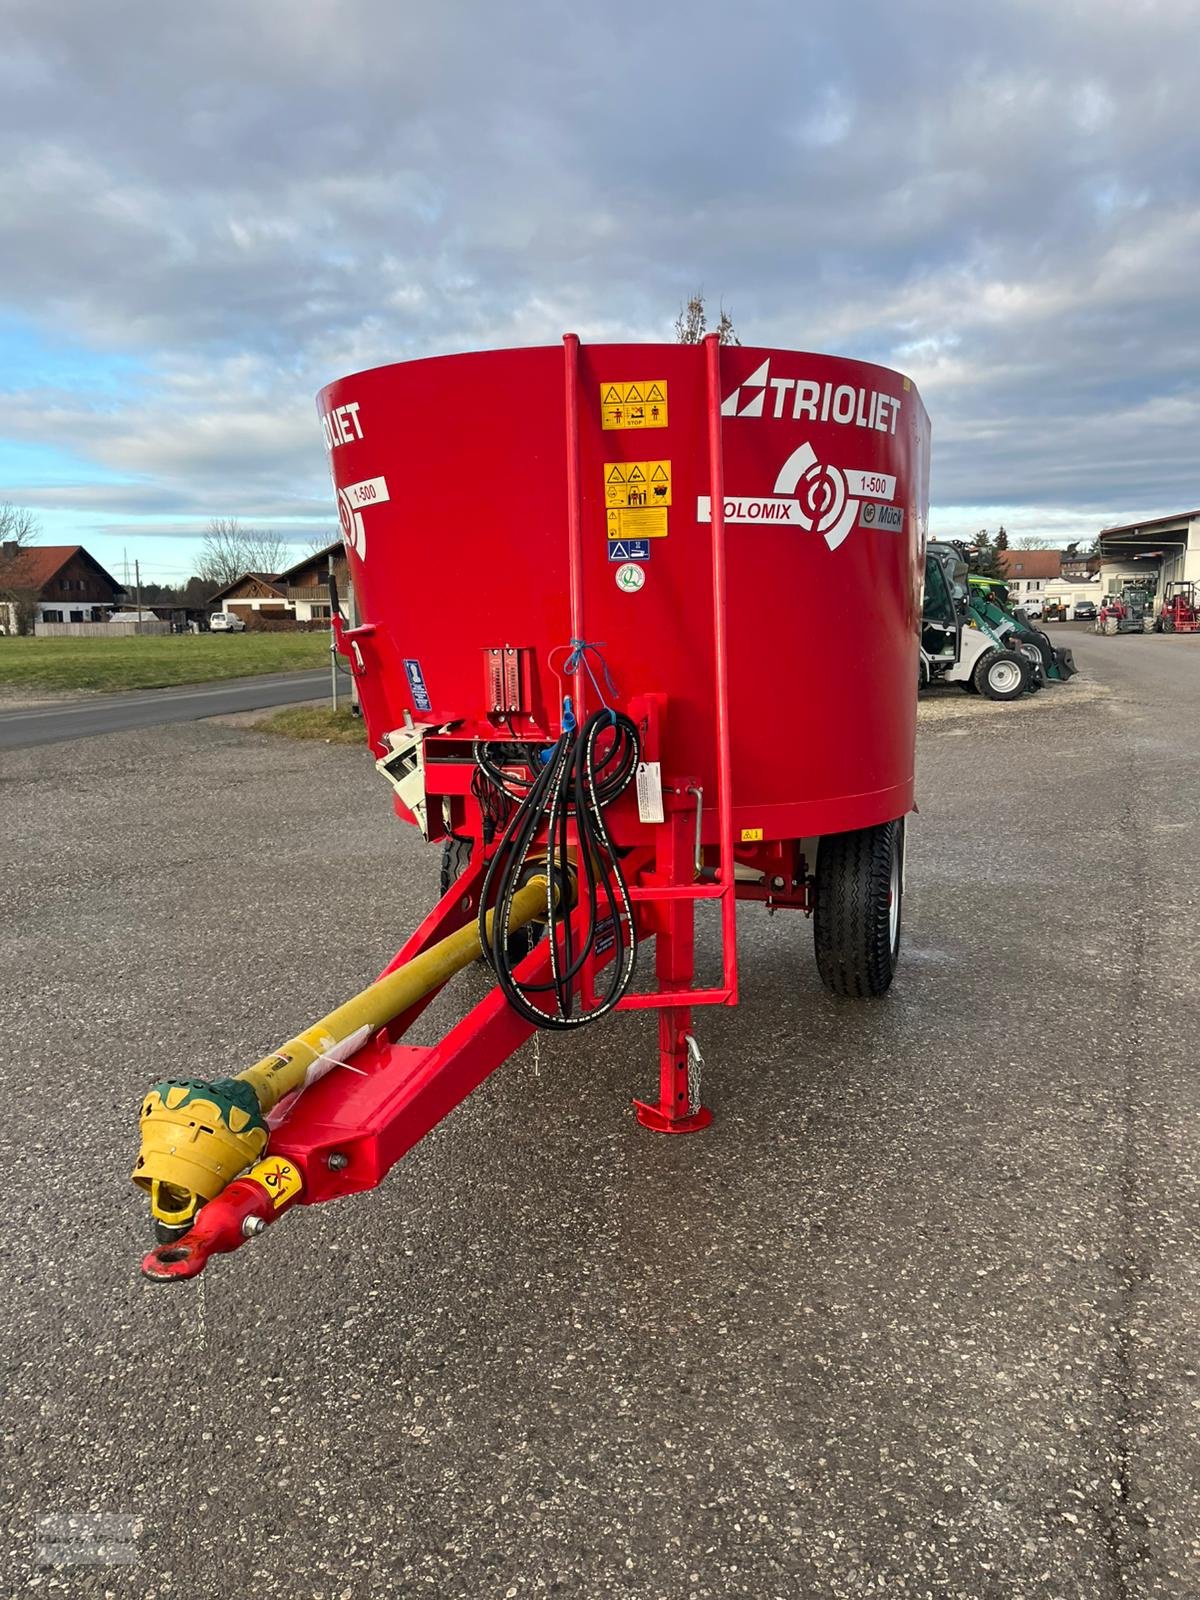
[[579, 658]]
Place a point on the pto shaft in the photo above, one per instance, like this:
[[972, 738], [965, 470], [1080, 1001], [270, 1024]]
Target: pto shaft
[[197, 1135]]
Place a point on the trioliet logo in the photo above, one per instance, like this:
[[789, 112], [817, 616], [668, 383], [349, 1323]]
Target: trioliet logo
[[761, 395]]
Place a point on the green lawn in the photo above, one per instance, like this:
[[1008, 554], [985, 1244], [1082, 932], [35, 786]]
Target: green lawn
[[154, 661], [315, 722]]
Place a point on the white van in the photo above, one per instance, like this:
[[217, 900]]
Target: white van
[[226, 622]]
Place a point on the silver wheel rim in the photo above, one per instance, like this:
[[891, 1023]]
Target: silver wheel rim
[[894, 896], [1004, 676]]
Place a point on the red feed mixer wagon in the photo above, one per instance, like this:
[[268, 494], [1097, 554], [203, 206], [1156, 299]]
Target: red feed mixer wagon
[[638, 631]]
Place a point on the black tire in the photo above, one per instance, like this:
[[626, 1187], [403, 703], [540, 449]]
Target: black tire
[[856, 933], [1001, 675], [1032, 651], [456, 858]]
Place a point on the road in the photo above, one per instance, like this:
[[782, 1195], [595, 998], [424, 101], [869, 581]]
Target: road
[[918, 1316], [58, 721]]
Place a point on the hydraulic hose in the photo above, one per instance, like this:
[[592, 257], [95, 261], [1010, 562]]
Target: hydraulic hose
[[585, 771]]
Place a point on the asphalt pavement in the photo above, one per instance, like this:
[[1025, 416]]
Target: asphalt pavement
[[56, 721], [917, 1316]]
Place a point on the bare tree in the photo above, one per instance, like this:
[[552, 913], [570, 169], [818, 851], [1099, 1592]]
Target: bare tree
[[319, 542], [18, 526], [1032, 541], [228, 550], [691, 324], [19, 529]]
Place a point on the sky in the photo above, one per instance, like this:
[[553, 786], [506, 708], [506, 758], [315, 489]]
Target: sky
[[209, 211]]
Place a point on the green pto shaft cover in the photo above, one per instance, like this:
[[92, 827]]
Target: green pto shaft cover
[[198, 1135]]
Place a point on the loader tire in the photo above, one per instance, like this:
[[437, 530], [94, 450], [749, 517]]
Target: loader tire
[[860, 900], [456, 858], [1001, 675]]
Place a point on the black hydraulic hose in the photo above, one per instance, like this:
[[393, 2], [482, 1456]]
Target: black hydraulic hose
[[574, 785]]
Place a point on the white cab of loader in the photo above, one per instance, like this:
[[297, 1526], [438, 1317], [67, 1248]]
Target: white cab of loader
[[952, 651]]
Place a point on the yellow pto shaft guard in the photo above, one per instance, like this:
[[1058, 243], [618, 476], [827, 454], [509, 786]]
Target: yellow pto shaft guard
[[197, 1135]]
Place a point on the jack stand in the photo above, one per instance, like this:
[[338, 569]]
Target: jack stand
[[679, 1109]]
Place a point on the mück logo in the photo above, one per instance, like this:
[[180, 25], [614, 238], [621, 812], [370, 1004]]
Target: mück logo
[[761, 395]]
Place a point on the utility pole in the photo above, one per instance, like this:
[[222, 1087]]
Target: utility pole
[[333, 683], [137, 578]]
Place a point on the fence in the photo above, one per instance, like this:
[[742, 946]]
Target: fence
[[97, 630]]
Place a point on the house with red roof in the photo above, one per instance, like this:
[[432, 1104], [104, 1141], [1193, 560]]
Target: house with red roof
[[1027, 573], [53, 583]]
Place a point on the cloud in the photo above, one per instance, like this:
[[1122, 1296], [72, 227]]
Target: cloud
[[236, 203]]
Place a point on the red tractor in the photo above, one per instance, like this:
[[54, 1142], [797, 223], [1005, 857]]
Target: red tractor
[[1180, 612]]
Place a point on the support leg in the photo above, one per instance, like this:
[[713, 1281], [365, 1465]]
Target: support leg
[[679, 1109]]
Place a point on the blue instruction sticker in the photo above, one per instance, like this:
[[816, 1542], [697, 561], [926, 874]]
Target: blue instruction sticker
[[416, 682], [629, 549]]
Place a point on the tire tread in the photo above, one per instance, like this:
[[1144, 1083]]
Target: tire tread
[[851, 935]]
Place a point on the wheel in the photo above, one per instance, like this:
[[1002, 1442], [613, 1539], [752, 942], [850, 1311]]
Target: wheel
[[860, 898], [1033, 654], [456, 858], [1001, 675]]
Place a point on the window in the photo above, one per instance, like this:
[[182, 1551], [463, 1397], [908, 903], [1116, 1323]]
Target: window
[[51, 616], [76, 616], [320, 613]]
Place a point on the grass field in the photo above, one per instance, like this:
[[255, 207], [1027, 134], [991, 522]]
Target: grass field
[[315, 722], [154, 662]]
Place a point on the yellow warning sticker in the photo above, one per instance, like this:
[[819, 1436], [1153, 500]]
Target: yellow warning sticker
[[633, 405], [650, 523], [281, 1179], [637, 483], [751, 835]]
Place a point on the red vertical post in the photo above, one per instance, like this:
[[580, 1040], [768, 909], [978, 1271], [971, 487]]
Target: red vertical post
[[574, 510], [679, 1109], [716, 478]]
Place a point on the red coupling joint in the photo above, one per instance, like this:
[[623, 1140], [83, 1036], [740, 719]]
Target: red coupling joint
[[242, 1210]]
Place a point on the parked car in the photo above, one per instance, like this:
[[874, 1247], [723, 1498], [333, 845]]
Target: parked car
[[226, 622], [1085, 611], [1032, 607]]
